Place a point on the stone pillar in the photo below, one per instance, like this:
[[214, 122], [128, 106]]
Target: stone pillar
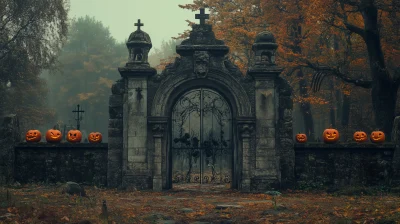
[[9, 137], [115, 135], [246, 131], [284, 134], [265, 73], [158, 134], [266, 157], [136, 136]]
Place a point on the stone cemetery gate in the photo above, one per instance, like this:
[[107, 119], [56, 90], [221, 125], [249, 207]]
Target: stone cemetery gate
[[201, 120]]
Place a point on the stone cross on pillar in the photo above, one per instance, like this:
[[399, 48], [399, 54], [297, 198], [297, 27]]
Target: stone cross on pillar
[[138, 24], [202, 16], [158, 134], [246, 131]]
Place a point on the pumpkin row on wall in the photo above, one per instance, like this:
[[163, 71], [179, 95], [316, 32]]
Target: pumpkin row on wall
[[331, 135], [55, 136]]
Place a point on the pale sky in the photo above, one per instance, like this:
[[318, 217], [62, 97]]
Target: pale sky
[[162, 19]]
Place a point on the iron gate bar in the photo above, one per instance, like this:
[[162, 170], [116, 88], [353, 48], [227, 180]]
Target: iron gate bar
[[204, 106]]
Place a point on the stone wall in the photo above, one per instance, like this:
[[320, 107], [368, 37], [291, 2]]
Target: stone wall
[[115, 134], [9, 136], [319, 165], [284, 134], [50, 163]]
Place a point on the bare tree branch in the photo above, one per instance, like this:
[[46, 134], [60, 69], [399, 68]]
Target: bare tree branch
[[355, 29]]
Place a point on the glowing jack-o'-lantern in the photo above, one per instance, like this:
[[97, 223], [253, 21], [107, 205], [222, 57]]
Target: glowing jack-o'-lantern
[[330, 135], [53, 136], [33, 136], [377, 136], [74, 136], [95, 137], [360, 136], [301, 138]]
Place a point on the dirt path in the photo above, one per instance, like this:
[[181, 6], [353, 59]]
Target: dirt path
[[192, 204]]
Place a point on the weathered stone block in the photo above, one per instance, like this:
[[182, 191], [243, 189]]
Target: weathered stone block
[[285, 102], [265, 104], [51, 163], [115, 132], [115, 112], [134, 83], [265, 84], [265, 152], [137, 141], [265, 143], [138, 168], [118, 88], [115, 123], [137, 126], [9, 132], [115, 143], [115, 101], [137, 154], [265, 163], [267, 123], [267, 132]]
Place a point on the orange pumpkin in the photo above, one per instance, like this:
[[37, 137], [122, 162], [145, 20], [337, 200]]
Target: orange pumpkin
[[53, 136], [330, 135], [360, 136], [301, 138], [33, 136], [95, 137], [74, 136], [377, 136]]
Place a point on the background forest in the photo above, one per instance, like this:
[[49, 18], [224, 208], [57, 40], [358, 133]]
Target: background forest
[[50, 63]]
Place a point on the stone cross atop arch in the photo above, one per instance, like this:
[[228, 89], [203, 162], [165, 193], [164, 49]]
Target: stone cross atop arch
[[139, 24], [202, 16]]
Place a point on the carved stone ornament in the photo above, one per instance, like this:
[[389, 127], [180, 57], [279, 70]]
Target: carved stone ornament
[[246, 130], [158, 130], [201, 62]]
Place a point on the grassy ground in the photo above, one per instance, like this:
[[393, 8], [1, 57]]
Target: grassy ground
[[188, 204]]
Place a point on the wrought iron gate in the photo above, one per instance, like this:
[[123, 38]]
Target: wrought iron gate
[[201, 138]]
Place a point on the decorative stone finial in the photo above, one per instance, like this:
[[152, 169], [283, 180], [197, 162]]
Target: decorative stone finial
[[264, 48], [139, 45]]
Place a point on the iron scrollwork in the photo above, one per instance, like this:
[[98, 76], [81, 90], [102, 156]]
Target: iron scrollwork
[[201, 138]]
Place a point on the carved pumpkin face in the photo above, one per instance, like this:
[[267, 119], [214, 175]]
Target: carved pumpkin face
[[360, 136], [330, 135], [377, 136], [74, 136], [301, 138], [53, 136], [33, 136], [95, 137]]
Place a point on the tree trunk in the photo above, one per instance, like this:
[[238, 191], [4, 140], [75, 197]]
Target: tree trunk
[[384, 89], [345, 110], [384, 97], [306, 107]]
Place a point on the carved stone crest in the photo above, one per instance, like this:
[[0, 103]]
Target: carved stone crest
[[201, 62]]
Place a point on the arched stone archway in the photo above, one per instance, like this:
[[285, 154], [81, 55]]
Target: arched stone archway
[[142, 102], [230, 87]]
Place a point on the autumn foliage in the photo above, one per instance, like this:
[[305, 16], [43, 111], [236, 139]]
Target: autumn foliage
[[312, 34]]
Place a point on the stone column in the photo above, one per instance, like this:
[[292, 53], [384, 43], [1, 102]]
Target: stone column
[[245, 131], [158, 134], [115, 135], [9, 137], [266, 158]]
